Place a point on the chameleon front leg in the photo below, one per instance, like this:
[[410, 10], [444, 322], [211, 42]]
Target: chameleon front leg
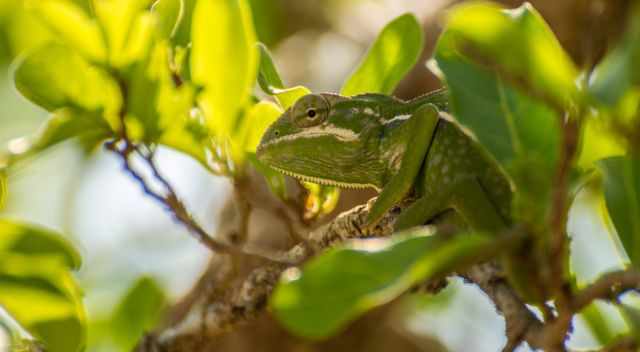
[[466, 197], [417, 132]]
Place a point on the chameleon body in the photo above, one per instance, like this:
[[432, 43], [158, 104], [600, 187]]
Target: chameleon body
[[401, 148]]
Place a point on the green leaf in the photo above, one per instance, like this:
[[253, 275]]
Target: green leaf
[[392, 55], [54, 77], [631, 316], [124, 26], [73, 26], [37, 288], [3, 186], [27, 239], [287, 97], [223, 60], [138, 311], [259, 117], [518, 45], [597, 142], [596, 320], [182, 36], [621, 180], [521, 132], [170, 14], [268, 77], [617, 73], [368, 273], [189, 135]]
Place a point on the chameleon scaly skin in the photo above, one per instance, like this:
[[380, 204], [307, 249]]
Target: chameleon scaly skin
[[397, 147]]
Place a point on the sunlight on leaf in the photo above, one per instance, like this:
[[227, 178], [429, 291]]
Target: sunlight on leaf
[[121, 23], [288, 97], [54, 77], [223, 60], [170, 14], [369, 273], [391, 56], [73, 26], [518, 45]]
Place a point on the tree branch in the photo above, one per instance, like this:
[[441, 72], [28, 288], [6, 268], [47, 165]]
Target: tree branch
[[222, 309]]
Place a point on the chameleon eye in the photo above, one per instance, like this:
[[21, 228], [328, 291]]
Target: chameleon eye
[[310, 110], [311, 113]]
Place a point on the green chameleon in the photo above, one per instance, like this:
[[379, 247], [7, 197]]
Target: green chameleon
[[400, 148]]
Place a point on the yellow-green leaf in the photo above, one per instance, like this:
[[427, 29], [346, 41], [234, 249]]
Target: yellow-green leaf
[[55, 77], [392, 55], [518, 45], [223, 60], [170, 14], [118, 18], [73, 26], [287, 97]]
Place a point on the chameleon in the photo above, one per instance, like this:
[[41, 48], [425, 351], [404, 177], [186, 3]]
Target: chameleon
[[400, 148]]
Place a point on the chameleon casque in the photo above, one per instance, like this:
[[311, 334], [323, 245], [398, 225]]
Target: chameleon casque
[[400, 148]]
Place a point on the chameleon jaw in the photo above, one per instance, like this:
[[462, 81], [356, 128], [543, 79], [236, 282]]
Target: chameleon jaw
[[324, 181]]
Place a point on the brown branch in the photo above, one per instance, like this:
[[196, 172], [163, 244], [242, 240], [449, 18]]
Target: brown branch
[[226, 307], [608, 287]]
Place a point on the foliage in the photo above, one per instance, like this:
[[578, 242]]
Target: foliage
[[181, 73]]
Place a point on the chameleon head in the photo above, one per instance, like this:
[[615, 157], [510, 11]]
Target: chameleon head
[[318, 139]]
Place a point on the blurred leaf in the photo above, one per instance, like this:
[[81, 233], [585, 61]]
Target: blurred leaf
[[3, 187], [119, 19], [518, 45], [621, 180], [369, 273], [392, 55], [154, 100], [139, 311], [26, 239], [321, 200], [190, 136], [287, 97], [73, 26], [617, 73], [268, 77], [53, 77], [631, 316], [259, 117], [182, 36], [223, 60], [597, 142], [599, 326], [37, 288], [170, 14]]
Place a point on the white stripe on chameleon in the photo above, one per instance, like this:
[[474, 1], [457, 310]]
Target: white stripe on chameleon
[[397, 118], [324, 181], [342, 134]]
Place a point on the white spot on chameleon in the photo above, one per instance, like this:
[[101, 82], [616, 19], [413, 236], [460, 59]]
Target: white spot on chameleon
[[369, 111], [397, 118]]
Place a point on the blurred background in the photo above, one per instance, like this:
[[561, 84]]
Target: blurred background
[[123, 235]]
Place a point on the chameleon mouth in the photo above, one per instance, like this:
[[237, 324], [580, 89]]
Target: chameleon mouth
[[323, 181]]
